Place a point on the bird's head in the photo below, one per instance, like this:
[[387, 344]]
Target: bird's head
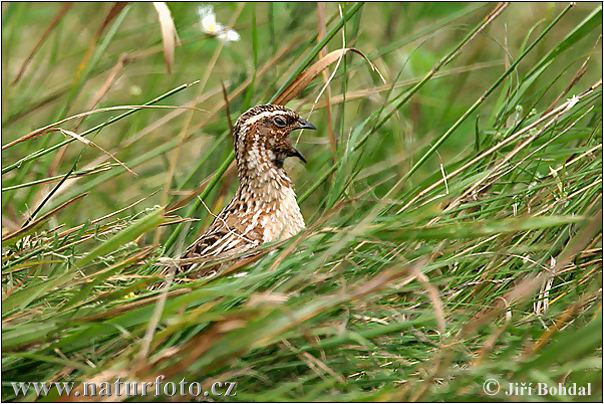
[[261, 137]]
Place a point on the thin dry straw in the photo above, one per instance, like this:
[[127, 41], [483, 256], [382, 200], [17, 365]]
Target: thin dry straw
[[116, 118]]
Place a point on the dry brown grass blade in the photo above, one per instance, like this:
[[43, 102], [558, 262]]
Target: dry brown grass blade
[[114, 74], [96, 146], [107, 216], [76, 174], [168, 32], [490, 344], [433, 294], [168, 117], [192, 195], [130, 306], [186, 131], [527, 287], [567, 316], [137, 257], [114, 12], [55, 21], [206, 340], [308, 75], [198, 345], [548, 119], [45, 129], [206, 96], [369, 92], [116, 9], [522, 291], [578, 75], [174, 114]]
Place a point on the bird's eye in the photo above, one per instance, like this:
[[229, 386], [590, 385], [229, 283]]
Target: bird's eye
[[280, 121]]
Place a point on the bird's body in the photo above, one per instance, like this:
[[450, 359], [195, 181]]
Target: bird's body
[[264, 208]]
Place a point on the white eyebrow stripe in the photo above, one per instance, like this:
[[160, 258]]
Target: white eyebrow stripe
[[253, 119]]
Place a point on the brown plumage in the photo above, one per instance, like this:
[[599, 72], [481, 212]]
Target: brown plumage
[[264, 208]]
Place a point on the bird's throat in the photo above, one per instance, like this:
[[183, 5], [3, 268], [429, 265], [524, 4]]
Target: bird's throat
[[264, 186]]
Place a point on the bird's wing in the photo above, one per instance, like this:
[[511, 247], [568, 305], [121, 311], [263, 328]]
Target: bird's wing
[[227, 234]]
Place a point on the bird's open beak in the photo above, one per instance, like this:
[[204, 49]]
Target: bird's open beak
[[304, 124], [296, 153]]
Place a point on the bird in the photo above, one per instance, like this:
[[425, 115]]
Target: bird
[[264, 208]]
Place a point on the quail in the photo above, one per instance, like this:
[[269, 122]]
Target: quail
[[264, 207]]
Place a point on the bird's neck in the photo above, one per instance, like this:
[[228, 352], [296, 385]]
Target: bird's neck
[[264, 182], [266, 192]]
